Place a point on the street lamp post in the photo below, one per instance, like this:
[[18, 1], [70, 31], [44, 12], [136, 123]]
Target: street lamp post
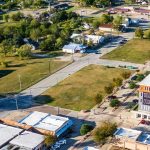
[[49, 66]]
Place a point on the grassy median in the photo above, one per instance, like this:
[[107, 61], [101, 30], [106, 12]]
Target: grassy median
[[77, 92], [136, 51]]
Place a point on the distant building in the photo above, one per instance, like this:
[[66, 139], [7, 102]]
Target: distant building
[[56, 125], [132, 139], [96, 39], [144, 99], [74, 48]]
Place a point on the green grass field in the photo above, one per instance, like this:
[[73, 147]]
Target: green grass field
[[30, 72], [77, 92], [136, 51]]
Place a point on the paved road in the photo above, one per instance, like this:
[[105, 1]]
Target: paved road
[[24, 99]]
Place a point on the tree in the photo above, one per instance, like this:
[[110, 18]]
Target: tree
[[114, 103], [105, 18], [34, 23], [59, 42], [117, 81], [49, 140], [6, 17], [147, 34], [95, 24], [90, 43], [85, 128], [126, 74], [117, 22], [98, 98], [4, 48], [109, 89], [24, 51], [132, 85], [17, 16], [102, 3], [35, 34], [139, 33], [104, 131]]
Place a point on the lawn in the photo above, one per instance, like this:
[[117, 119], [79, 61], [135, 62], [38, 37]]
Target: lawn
[[77, 92], [30, 72], [136, 51]]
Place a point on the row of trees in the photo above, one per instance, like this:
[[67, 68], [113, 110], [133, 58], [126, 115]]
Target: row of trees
[[13, 4], [117, 82], [50, 36]]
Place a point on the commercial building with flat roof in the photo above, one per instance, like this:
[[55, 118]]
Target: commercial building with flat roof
[[144, 99], [29, 140], [57, 125], [7, 133], [132, 139]]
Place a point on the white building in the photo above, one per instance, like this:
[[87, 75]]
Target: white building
[[96, 39], [28, 140], [7, 133], [74, 48], [55, 124]]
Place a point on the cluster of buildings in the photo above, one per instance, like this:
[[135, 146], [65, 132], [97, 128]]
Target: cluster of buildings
[[136, 139], [30, 132], [79, 38]]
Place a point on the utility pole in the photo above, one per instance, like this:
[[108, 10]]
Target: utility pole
[[16, 98], [49, 66], [20, 84]]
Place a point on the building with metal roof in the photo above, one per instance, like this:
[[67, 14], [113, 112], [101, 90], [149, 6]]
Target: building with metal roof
[[57, 125]]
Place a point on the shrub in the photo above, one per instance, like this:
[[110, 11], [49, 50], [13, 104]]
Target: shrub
[[114, 103], [140, 77], [85, 128], [132, 85], [98, 98], [126, 75], [109, 89]]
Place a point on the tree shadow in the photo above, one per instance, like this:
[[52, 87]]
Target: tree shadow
[[4, 73], [43, 99]]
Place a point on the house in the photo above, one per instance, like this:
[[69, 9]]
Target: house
[[74, 48], [56, 125]]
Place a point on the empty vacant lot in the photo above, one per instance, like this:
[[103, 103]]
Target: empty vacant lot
[[77, 92]]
